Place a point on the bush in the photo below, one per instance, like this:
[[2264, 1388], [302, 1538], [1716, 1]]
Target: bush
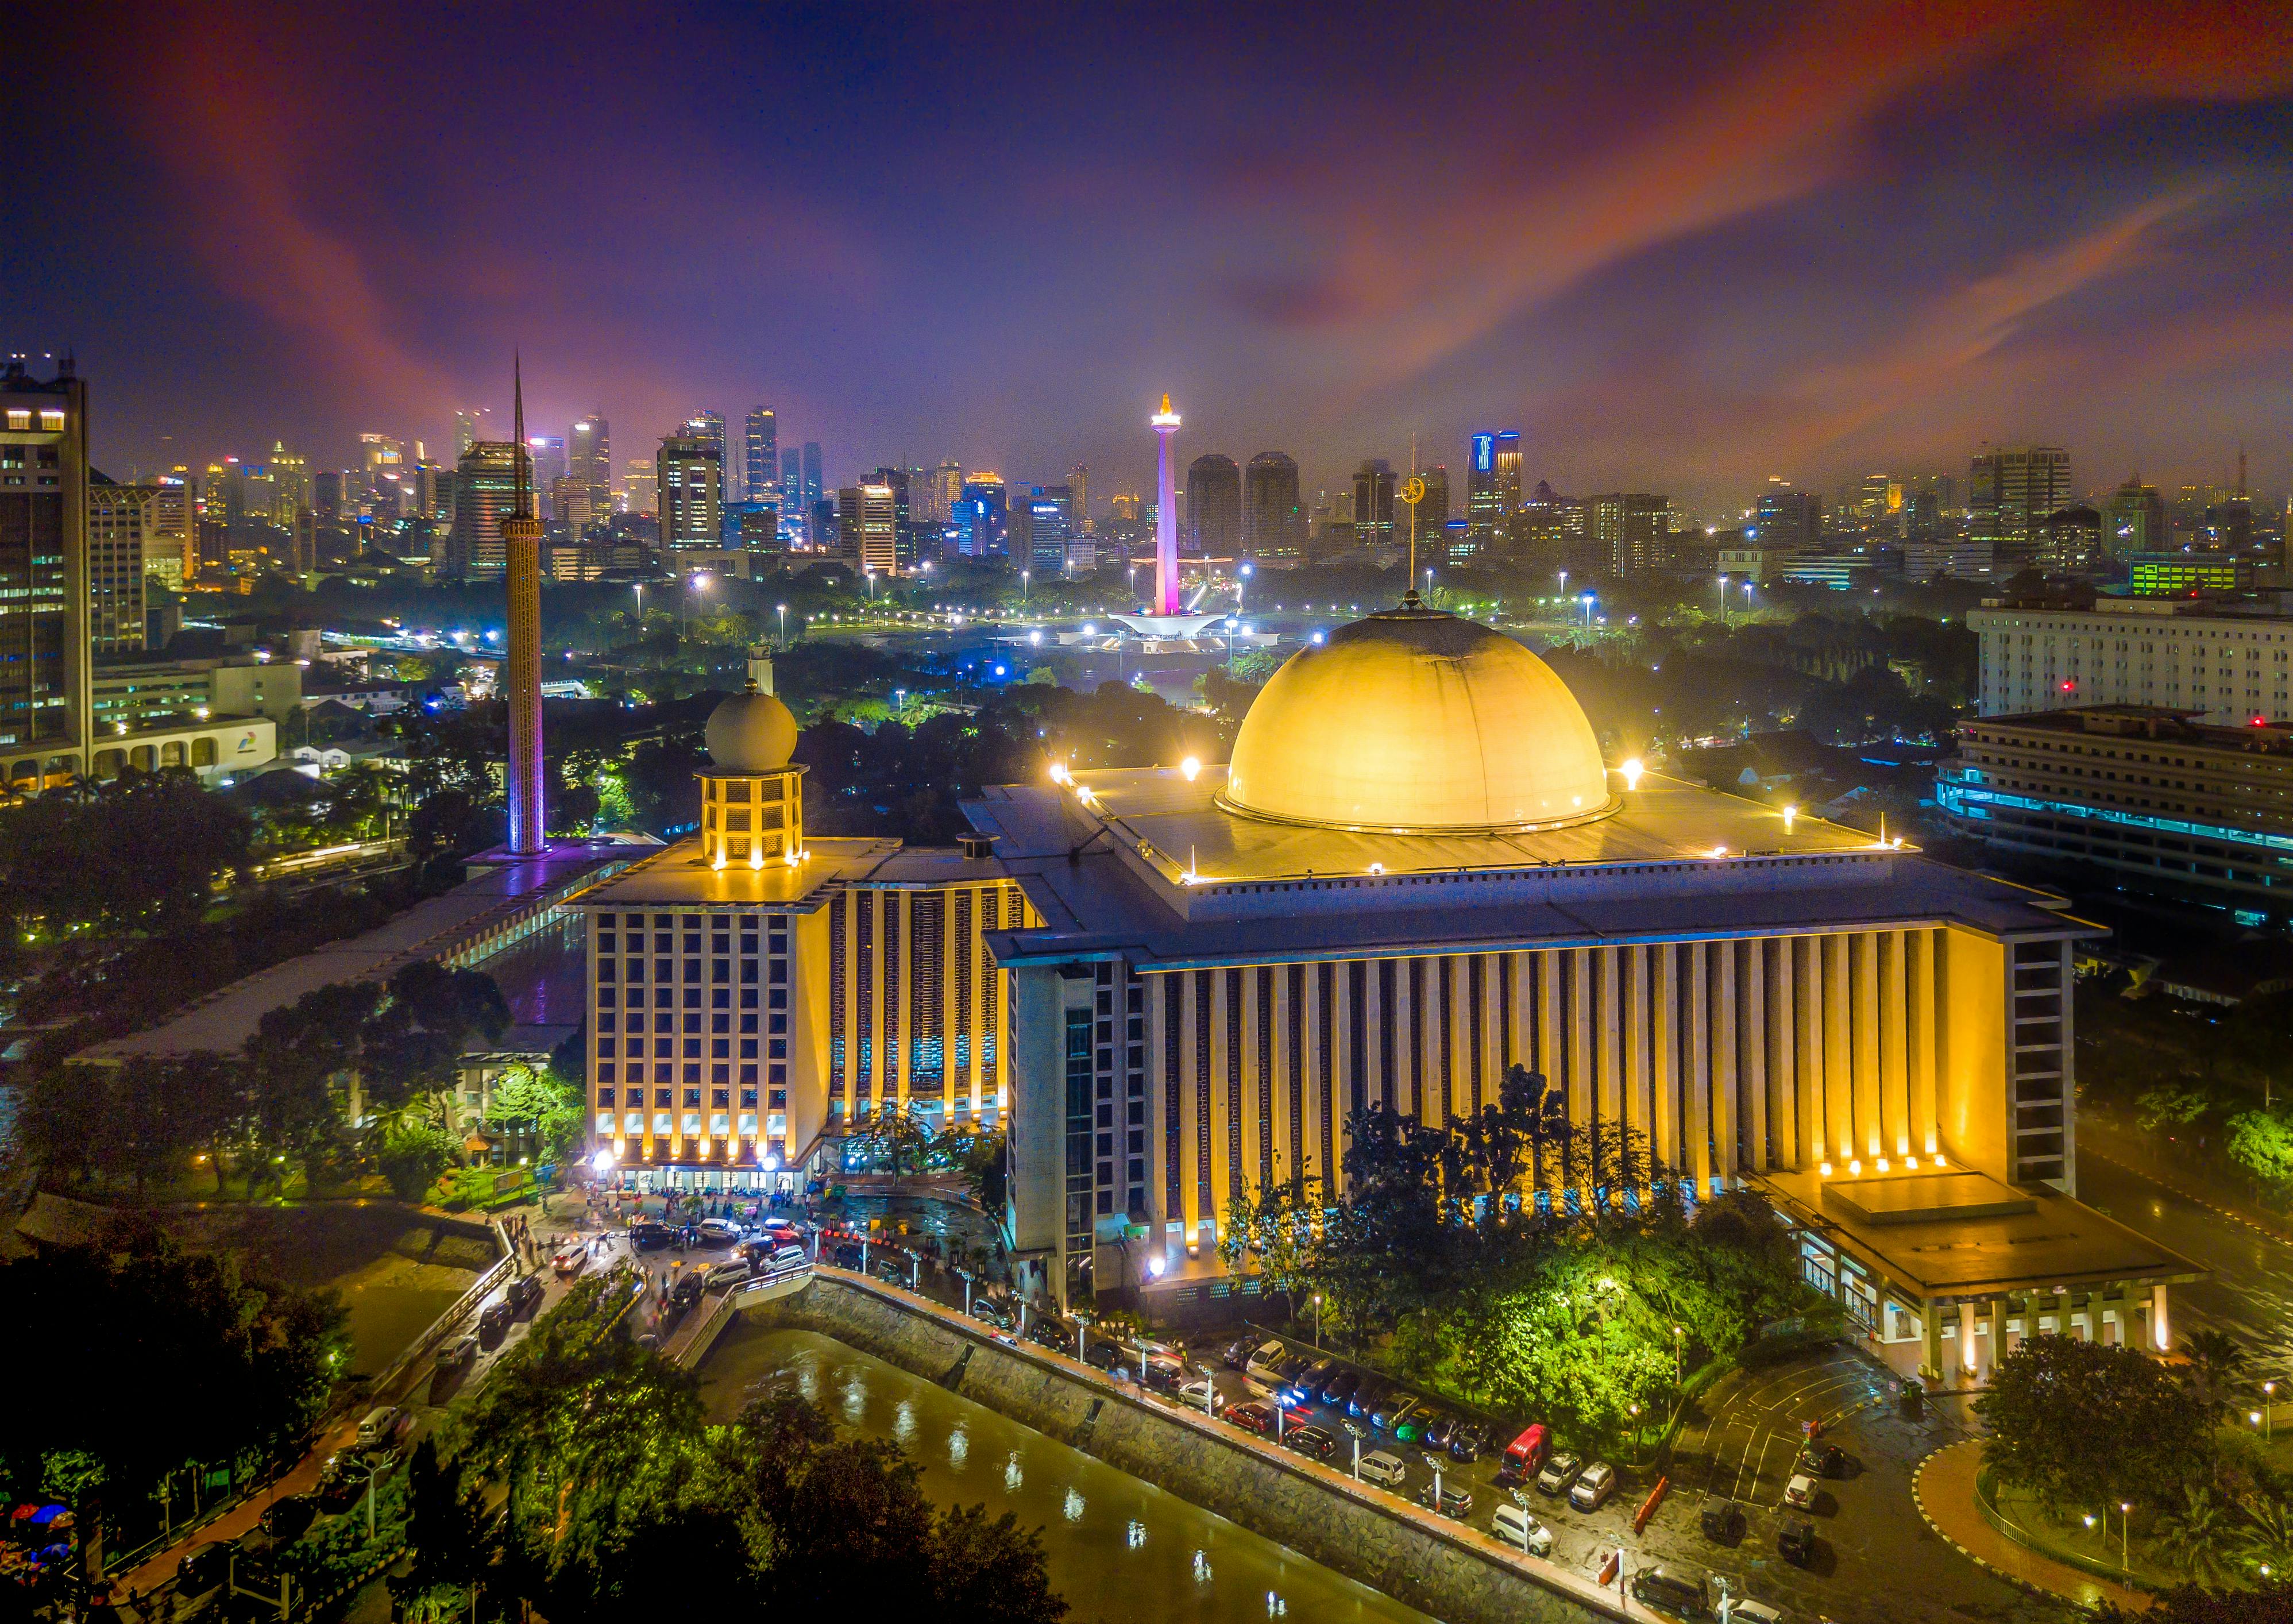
[[412, 1156]]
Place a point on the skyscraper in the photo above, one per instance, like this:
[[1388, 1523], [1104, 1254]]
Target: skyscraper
[[644, 485], [1508, 470], [1627, 532], [1484, 512], [2134, 521], [941, 488], [1050, 528], [548, 455], [1786, 516], [121, 531], [2010, 493], [691, 492], [522, 544], [1273, 518], [761, 465], [1213, 506], [813, 484], [44, 481], [1432, 513], [486, 483], [589, 460], [1374, 502], [792, 478], [1079, 487], [709, 428], [465, 432], [174, 552], [379, 454]]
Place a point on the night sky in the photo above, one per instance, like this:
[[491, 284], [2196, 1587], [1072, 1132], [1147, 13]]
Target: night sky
[[1680, 248]]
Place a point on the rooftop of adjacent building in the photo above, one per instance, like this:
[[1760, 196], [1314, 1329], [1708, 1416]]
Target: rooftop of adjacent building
[[681, 875], [2242, 606], [2164, 724]]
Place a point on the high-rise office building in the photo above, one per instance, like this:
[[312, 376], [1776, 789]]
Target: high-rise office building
[[2070, 541], [1273, 517], [691, 486], [1079, 484], [485, 492], [379, 454], [938, 492], [709, 428], [1430, 516], [43, 482], [589, 460], [550, 465], [642, 487], [1508, 470], [1485, 511], [173, 555], [2010, 493], [792, 478], [1213, 506], [813, 485], [121, 532], [2134, 520], [1373, 485], [1627, 531], [988, 529], [465, 432], [1049, 511], [760, 466], [1786, 516]]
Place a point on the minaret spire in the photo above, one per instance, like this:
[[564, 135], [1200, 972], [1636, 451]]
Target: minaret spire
[[521, 556]]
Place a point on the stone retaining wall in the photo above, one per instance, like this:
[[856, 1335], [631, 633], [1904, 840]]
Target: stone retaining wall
[[1438, 1566]]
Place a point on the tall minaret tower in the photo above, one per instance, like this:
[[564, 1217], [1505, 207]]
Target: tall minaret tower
[[1166, 514], [522, 541]]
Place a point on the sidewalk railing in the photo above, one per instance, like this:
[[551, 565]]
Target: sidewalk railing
[[444, 1324]]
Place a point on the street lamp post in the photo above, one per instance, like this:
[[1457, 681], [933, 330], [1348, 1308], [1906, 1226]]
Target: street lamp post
[[1723, 602], [2124, 1519], [1318, 1316], [781, 610], [1679, 1355]]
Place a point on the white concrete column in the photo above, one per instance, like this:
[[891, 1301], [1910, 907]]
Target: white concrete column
[[1753, 1040], [1723, 1059], [1695, 1068], [2161, 1327], [1967, 1360], [1606, 1033]]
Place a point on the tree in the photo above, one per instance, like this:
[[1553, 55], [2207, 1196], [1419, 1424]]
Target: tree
[[2269, 1602], [547, 1100], [2216, 1361], [2262, 1143], [2081, 1425]]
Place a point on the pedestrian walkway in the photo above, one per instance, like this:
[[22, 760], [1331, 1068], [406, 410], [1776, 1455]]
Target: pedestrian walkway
[[1943, 1490]]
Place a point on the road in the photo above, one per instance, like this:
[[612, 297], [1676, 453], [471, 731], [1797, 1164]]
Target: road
[[2250, 1291]]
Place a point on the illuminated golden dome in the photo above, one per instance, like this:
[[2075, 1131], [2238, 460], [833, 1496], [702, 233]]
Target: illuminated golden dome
[[1418, 722], [750, 732]]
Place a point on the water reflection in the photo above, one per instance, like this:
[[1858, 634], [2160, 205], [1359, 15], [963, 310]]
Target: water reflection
[[1117, 1547]]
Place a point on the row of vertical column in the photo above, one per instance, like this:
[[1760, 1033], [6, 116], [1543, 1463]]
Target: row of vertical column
[[899, 987], [1725, 1056]]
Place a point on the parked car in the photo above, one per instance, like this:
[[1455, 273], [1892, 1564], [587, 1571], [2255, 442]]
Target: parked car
[[1384, 1468], [1721, 1521], [1367, 1398], [1559, 1471], [786, 1256], [1261, 1367], [1514, 1526], [1050, 1331], [1311, 1441], [1743, 1610], [720, 1232], [1235, 1354], [1469, 1441], [1253, 1417], [1682, 1594], [1108, 1356], [1593, 1486], [734, 1272], [891, 1271], [571, 1260], [1341, 1387], [1523, 1455], [286, 1518], [523, 1292], [493, 1321], [688, 1289], [457, 1353], [1455, 1500], [1195, 1393], [1158, 1376], [1823, 1460], [1397, 1412], [1413, 1426], [847, 1255], [1796, 1541], [202, 1569], [1439, 1430], [1306, 1386], [1801, 1491], [992, 1311], [646, 1236]]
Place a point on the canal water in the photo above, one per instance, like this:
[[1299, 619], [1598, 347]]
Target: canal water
[[1118, 1548]]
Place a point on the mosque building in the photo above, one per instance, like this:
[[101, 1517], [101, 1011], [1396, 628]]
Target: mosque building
[[1417, 871], [1172, 985]]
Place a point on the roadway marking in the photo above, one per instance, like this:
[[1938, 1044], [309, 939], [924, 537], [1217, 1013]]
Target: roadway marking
[[2174, 1189]]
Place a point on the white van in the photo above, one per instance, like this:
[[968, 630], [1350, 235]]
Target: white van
[[1513, 1526], [1260, 1372], [380, 1425], [1385, 1469]]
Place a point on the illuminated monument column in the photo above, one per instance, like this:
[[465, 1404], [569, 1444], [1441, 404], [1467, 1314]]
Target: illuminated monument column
[[1166, 514], [522, 541]]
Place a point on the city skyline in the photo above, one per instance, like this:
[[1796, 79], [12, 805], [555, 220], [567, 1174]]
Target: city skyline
[[1789, 266]]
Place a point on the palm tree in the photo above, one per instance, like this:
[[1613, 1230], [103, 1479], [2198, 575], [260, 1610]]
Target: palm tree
[[2200, 1537], [2216, 1361]]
